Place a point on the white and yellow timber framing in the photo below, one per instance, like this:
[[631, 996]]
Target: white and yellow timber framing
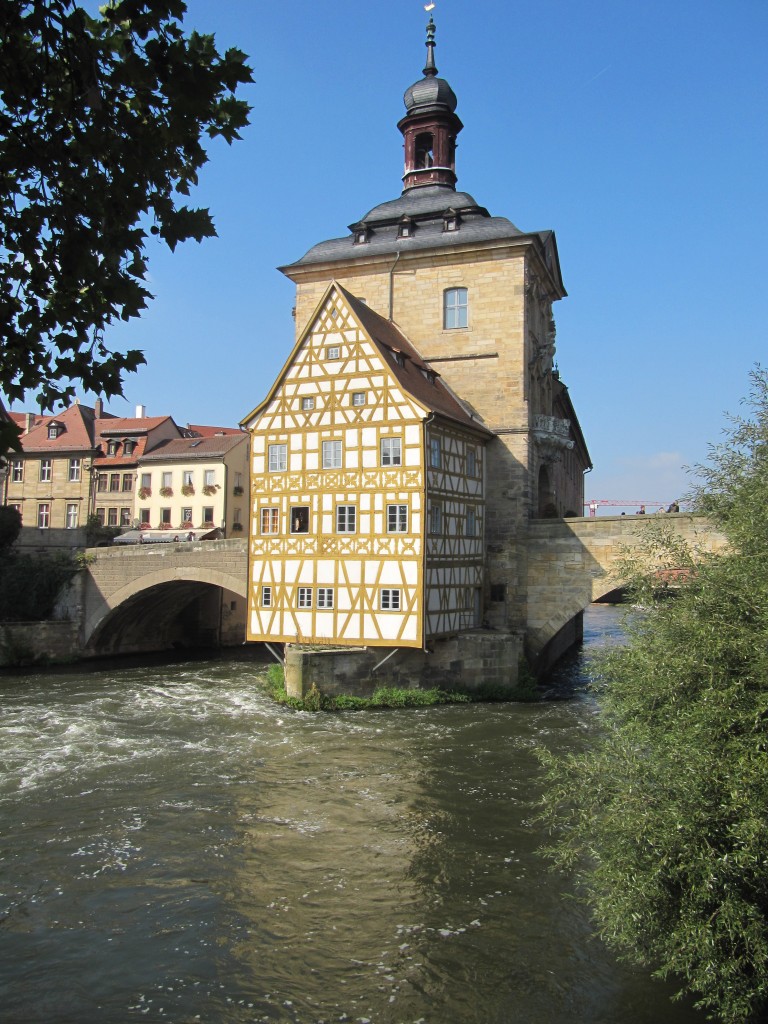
[[367, 491]]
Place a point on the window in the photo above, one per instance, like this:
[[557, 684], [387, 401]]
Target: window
[[346, 518], [186, 515], [166, 480], [186, 478], [18, 509], [391, 451], [129, 447], [236, 516], [74, 470], [278, 458], [455, 306], [305, 597], [208, 515], [389, 600], [405, 228], [72, 517], [100, 516], [270, 520], [307, 403], [239, 480], [325, 597], [53, 432], [165, 516], [127, 481], [209, 478], [144, 517], [332, 455], [397, 518], [333, 352], [146, 480], [359, 398], [471, 462], [300, 519], [498, 592], [471, 522], [17, 471], [112, 448], [266, 597], [435, 518], [44, 516], [435, 456], [112, 517], [45, 469], [102, 482], [114, 481], [125, 517]]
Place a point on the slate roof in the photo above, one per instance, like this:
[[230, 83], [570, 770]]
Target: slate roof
[[187, 448], [426, 206]]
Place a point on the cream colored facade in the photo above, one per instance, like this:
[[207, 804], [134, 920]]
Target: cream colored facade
[[362, 494], [195, 483]]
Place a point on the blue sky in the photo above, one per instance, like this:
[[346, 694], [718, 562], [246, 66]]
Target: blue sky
[[637, 131]]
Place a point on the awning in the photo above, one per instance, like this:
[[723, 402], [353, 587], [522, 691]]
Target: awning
[[164, 536]]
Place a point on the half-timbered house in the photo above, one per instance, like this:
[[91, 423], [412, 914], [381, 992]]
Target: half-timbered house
[[367, 491]]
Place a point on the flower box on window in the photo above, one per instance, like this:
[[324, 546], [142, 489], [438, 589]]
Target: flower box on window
[[145, 526], [187, 489], [166, 526], [145, 492], [237, 527], [207, 525], [166, 492], [210, 488], [237, 491]]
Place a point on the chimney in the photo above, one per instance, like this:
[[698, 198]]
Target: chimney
[[29, 419], [141, 412], [98, 408]]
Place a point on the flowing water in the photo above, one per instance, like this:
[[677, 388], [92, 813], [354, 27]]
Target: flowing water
[[177, 848]]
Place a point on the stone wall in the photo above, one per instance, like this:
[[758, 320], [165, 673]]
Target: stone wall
[[38, 643], [467, 662]]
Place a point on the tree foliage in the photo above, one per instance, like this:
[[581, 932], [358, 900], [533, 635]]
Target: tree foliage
[[102, 121], [663, 818]]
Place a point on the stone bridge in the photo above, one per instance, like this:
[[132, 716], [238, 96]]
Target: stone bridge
[[155, 597], [572, 562], [159, 596]]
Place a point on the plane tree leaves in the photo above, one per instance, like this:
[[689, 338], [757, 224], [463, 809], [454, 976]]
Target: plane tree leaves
[[103, 122]]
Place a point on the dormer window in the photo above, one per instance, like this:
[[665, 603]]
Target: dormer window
[[54, 429], [112, 447], [362, 233], [451, 220], [429, 375], [398, 357], [129, 446], [406, 228]]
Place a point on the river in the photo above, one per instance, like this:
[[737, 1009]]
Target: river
[[177, 848]]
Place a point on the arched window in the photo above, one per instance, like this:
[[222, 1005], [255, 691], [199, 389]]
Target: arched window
[[455, 308], [424, 151]]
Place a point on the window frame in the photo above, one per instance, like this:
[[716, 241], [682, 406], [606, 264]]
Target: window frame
[[17, 471], [401, 510], [455, 308], [266, 596], [46, 471], [325, 598], [44, 515], [435, 518], [73, 515], [304, 598], [390, 599], [277, 454], [300, 514], [333, 454], [74, 471], [344, 515], [272, 514], [307, 403], [395, 459], [333, 353], [359, 398], [435, 453]]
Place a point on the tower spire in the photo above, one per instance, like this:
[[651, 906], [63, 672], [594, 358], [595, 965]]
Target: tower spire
[[430, 70]]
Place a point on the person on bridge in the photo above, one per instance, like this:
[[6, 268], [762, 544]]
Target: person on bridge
[[641, 510]]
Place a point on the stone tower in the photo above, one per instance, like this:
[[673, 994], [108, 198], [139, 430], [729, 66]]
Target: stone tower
[[474, 296]]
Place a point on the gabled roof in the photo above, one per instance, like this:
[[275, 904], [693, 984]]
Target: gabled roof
[[138, 429], [114, 426], [77, 433], [415, 376], [184, 449]]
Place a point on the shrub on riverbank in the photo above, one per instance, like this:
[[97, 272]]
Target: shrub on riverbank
[[30, 584], [663, 819], [393, 697]]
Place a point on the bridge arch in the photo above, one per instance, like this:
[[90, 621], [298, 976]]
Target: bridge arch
[[178, 596]]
